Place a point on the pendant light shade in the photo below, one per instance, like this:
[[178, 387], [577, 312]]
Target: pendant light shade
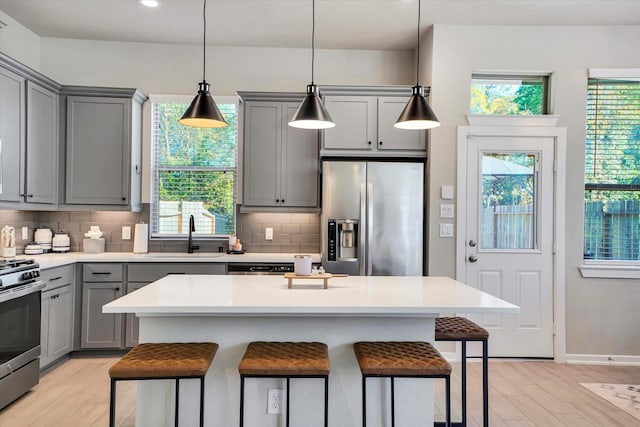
[[203, 111], [311, 113], [417, 114]]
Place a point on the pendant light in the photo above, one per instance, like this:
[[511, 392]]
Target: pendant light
[[311, 113], [203, 111], [417, 114]]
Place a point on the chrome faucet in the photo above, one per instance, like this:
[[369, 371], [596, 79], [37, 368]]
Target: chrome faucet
[[192, 227]]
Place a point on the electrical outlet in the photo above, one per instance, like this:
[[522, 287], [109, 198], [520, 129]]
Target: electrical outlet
[[25, 233], [126, 233], [446, 192], [268, 233], [274, 401]]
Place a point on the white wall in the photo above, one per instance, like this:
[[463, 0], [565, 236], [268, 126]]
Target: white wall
[[602, 315], [19, 43], [176, 69]]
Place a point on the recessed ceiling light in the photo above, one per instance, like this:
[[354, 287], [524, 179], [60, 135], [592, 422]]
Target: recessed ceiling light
[[149, 3]]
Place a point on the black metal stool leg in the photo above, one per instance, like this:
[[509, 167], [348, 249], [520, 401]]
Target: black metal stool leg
[[447, 390], [288, 386], [241, 400], [485, 383], [112, 404], [364, 401], [201, 401], [326, 401], [463, 396], [177, 412], [393, 403]]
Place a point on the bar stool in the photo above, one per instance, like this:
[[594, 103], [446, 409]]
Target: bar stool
[[464, 330], [405, 359], [285, 360], [163, 361]]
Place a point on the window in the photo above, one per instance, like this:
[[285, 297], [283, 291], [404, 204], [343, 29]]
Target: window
[[612, 170], [194, 172], [508, 95]]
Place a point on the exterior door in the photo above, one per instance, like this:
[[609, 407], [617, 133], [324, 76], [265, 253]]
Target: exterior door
[[509, 239]]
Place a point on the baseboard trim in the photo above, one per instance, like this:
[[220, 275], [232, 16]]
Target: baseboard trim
[[604, 359]]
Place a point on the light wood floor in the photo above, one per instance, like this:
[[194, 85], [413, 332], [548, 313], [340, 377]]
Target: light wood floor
[[522, 394]]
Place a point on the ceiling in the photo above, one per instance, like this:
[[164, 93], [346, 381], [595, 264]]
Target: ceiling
[[340, 24]]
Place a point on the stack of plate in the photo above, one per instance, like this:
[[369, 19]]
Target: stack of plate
[[33, 249]]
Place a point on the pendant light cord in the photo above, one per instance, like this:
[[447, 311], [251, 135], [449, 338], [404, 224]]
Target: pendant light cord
[[418, 61], [313, 36], [204, 41]]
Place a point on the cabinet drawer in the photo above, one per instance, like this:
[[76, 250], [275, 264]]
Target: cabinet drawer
[[57, 276], [148, 272], [102, 272]]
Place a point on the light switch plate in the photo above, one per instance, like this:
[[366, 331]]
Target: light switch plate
[[446, 192], [268, 233], [446, 230], [126, 233], [446, 210]]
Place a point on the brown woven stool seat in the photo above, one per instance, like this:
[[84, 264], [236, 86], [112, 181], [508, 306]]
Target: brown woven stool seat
[[458, 328], [401, 358], [164, 360], [285, 358], [409, 359]]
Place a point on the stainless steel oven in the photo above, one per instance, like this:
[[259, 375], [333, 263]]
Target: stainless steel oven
[[20, 298]]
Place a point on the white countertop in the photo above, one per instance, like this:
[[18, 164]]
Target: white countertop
[[387, 296], [59, 259]]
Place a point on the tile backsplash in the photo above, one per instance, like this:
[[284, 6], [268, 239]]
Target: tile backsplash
[[291, 232]]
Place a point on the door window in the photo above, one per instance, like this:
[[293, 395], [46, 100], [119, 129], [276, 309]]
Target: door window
[[508, 214]]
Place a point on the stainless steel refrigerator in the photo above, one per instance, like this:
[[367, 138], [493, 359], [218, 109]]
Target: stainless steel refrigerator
[[373, 218]]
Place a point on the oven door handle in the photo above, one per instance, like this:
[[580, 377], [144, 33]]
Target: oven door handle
[[21, 291]]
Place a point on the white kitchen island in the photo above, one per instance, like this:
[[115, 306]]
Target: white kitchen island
[[235, 310]]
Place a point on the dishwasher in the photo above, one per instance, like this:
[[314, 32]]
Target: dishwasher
[[259, 268]]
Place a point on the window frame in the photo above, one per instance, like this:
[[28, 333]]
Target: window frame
[[510, 76], [608, 269], [153, 202]]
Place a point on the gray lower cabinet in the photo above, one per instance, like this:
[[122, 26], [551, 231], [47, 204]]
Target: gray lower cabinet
[[57, 314], [103, 148], [132, 324], [280, 162], [28, 143], [101, 284]]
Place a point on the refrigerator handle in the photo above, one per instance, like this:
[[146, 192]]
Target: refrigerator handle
[[369, 228], [363, 222]]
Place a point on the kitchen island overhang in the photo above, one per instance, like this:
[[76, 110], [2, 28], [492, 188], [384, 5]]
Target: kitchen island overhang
[[235, 310]]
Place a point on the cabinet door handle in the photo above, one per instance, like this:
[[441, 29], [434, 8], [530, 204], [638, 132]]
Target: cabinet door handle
[[369, 142], [55, 278], [117, 289], [277, 200], [30, 195], [380, 143], [282, 200], [100, 272]]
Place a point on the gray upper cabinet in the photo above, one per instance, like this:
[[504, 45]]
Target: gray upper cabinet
[[28, 142], [364, 118], [42, 145], [103, 149], [12, 135], [280, 162]]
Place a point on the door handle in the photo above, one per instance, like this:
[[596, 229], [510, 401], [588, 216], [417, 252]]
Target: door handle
[[473, 258], [472, 243]]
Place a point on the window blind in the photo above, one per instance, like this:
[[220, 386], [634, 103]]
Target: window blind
[[612, 170], [194, 172]]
